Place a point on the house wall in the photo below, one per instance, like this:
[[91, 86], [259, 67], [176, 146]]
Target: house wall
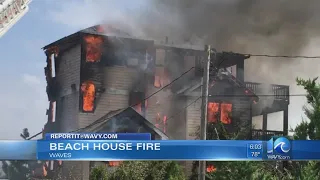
[[117, 83], [67, 103]]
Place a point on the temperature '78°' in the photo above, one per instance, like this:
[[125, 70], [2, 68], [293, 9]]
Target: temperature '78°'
[[255, 154]]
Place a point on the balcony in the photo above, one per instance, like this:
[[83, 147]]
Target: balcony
[[279, 92], [265, 135]]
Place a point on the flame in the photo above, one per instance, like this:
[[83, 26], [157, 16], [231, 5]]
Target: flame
[[114, 163], [213, 110], [93, 48], [157, 81], [165, 123], [45, 172], [226, 109], [88, 90], [138, 108], [160, 77], [211, 168]]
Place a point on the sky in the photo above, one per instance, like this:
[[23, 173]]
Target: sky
[[23, 96]]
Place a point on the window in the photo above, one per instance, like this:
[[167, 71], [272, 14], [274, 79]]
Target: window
[[88, 91], [160, 57], [93, 48], [159, 77], [136, 98], [220, 111]]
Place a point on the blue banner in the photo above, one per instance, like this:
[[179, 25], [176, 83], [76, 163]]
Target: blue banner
[[98, 136], [105, 150], [99, 150], [18, 150]]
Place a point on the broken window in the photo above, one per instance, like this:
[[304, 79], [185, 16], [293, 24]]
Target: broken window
[[88, 96], [93, 48], [159, 77], [161, 122], [221, 111], [137, 100]]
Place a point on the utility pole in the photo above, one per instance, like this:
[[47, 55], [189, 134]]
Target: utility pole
[[204, 107]]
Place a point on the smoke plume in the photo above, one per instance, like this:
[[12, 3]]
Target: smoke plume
[[283, 27]]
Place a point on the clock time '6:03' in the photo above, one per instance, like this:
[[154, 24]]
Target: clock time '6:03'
[[255, 146]]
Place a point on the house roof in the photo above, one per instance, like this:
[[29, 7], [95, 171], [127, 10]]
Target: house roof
[[222, 74], [122, 115]]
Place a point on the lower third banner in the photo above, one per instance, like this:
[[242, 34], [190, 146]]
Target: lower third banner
[[98, 150]]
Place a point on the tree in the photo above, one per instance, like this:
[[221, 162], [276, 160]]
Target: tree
[[16, 169], [308, 129], [140, 170]]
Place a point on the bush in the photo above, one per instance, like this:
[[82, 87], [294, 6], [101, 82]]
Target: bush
[[141, 170]]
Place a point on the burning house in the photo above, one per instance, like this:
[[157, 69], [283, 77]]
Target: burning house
[[99, 72]]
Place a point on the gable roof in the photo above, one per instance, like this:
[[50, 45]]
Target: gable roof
[[222, 75], [123, 115]]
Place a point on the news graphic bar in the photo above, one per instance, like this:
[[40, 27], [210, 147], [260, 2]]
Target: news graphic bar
[[98, 136], [99, 150], [106, 150], [18, 150]]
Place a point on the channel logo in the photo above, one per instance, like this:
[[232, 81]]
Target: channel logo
[[278, 148]]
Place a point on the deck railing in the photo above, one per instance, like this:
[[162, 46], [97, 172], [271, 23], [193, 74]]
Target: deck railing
[[265, 135], [279, 92]]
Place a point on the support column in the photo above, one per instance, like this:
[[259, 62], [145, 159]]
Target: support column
[[285, 121], [240, 70], [264, 125]]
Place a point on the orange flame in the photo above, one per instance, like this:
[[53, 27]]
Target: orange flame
[[211, 168], [88, 90], [45, 172], [164, 124], [157, 81], [226, 109], [93, 48], [213, 110], [114, 163]]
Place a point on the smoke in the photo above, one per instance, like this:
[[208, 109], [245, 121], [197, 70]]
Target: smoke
[[283, 27]]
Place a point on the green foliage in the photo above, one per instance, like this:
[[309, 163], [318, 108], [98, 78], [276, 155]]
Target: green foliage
[[310, 129], [141, 170], [98, 173]]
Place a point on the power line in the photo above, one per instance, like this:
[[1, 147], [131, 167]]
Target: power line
[[164, 87], [182, 109], [282, 56], [261, 95], [102, 119]]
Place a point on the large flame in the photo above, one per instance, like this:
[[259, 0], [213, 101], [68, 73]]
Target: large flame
[[213, 110], [88, 94], [93, 48], [226, 109]]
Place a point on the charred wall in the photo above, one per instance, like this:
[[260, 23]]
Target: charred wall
[[116, 67]]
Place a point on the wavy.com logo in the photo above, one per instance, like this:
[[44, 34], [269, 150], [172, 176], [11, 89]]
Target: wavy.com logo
[[278, 148]]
